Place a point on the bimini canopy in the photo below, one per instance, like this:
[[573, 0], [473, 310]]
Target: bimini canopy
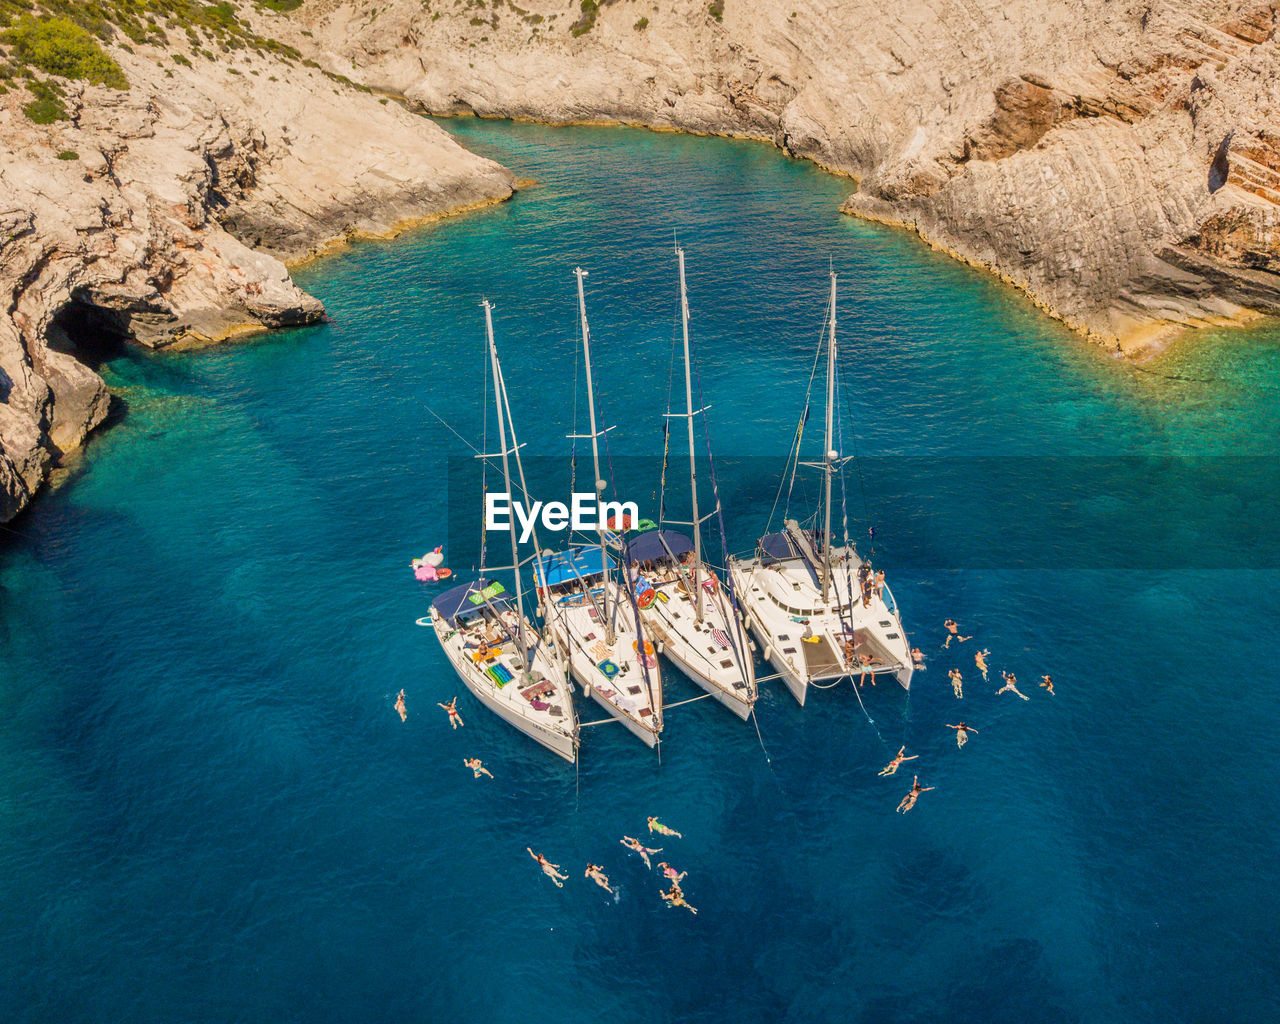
[[459, 602], [777, 547], [659, 544], [569, 566]]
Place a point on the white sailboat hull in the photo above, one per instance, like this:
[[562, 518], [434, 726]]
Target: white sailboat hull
[[558, 733], [728, 675], [629, 696]]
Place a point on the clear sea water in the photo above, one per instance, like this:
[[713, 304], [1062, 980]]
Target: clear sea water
[[210, 811]]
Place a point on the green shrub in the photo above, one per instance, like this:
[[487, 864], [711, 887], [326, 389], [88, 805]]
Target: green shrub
[[60, 47], [588, 20], [641, 25], [47, 106], [280, 6], [717, 9], [68, 154], [179, 58]]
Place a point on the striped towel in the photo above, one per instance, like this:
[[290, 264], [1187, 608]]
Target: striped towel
[[720, 637]]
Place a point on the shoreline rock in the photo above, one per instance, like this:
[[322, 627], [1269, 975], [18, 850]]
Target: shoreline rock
[[163, 215]]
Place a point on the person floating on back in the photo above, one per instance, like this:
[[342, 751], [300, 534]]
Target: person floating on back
[[957, 682], [552, 871], [892, 767], [477, 766], [404, 714], [640, 848], [455, 719], [909, 801], [962, 734], [656, 826], [980, 659], [953, 633], [1011, 686], [596, 873]]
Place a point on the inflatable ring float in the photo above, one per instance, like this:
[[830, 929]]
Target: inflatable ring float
[[648, 648], [646, 597], [444, 572]]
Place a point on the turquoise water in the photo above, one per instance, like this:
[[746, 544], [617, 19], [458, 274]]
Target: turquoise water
[[209, 809]]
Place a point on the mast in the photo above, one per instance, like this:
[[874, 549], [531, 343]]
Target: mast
[[829, 456], [595, 448], [693, 462], [506, 474]]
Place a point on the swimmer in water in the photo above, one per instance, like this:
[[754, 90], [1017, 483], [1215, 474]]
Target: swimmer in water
[[455, 719], [909, 801], [1011, 685], [953, 633], [893, 766], [957, 682], [1047, 684], [596, 873], [640, 848], [477, 766], [552, 871], [962, 734], [656, 826], [917, 658], [670, 873], [676, 898], [404, 714], [980, 659]]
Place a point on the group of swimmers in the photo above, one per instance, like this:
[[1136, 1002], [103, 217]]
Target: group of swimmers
[[673, 895], [962, 729]]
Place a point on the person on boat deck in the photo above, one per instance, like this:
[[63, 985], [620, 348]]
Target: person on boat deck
[[640, 848], [1011, 684], [957, 681], [404, 713], [1045, 684], [868, 588], [953, 633], [962, 734], [879, 584], [865, 661], [552, 871], [850, 653], [980, 659], [477, 766], [909, 801], [676, 898], [596, 873], [670, 873], [656, 826], [455, 719], [892, 767]]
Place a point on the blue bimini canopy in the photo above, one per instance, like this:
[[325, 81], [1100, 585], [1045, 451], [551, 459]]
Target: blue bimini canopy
[[777, 547], [458, 602], [659, 544], [569, 566]]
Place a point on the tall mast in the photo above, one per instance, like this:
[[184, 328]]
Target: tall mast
[[506, 473], [693, 462], [595, 447], [829, 456]]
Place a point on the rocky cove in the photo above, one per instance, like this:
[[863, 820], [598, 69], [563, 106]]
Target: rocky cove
[[1120, 163]]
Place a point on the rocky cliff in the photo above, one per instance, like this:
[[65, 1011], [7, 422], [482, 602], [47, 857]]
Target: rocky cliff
[[1120, 162], [162, 212]]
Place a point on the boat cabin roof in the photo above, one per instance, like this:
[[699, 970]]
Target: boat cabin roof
[[655, 545], [469, 599], [570, 566]]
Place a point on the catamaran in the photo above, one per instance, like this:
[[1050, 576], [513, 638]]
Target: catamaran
[[681, 599], [820, 613], [496, 651], [592, 617]]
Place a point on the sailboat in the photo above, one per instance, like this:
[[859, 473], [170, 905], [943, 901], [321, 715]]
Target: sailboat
[[496, 651], [592, 617], [689, 612], [819, 611]]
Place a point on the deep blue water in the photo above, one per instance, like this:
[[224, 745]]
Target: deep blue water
[[210, 811]]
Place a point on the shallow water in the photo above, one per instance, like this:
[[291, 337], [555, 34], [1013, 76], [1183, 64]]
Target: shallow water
[[209, 809]]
